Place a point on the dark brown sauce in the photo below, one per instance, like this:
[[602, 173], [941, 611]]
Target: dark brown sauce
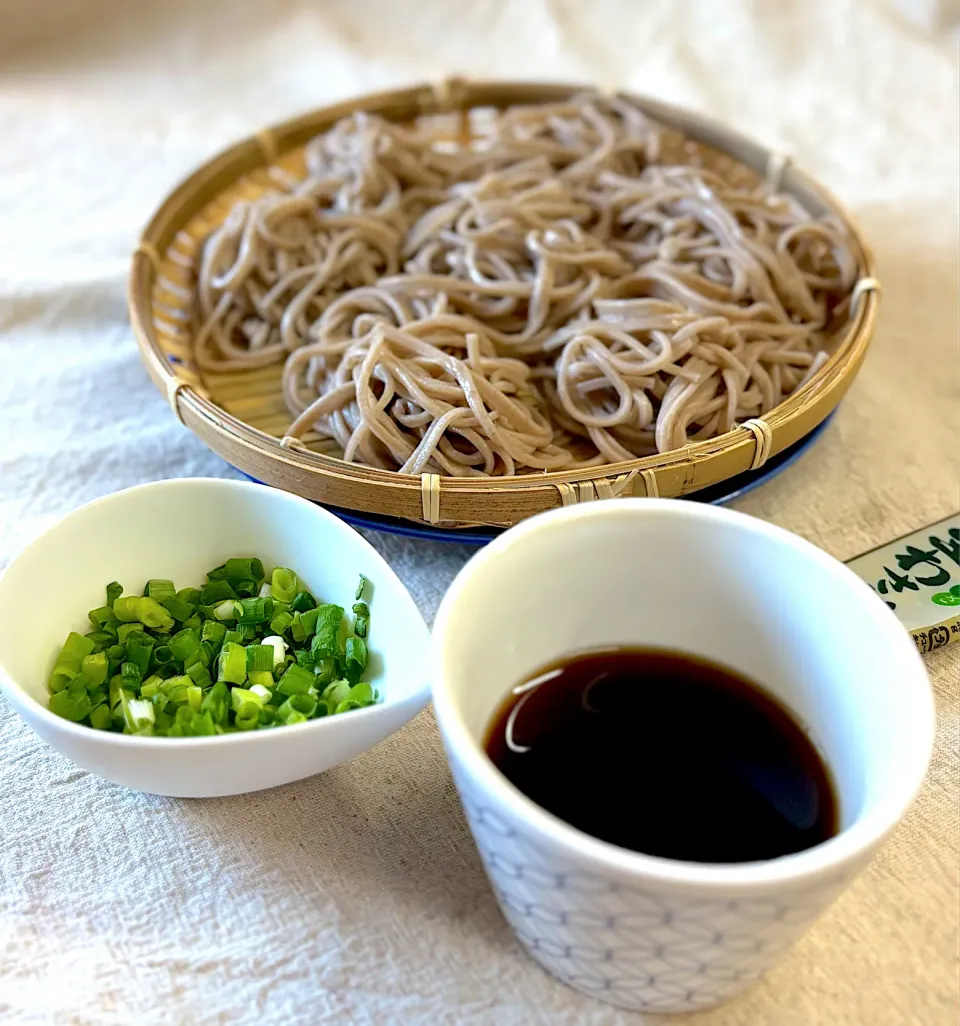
[[667, 755]]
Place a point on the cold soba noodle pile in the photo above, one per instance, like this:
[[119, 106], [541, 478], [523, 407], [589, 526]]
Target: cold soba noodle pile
[[550, 297]]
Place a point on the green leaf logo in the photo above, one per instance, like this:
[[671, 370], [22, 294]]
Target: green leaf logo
[[948, 598]]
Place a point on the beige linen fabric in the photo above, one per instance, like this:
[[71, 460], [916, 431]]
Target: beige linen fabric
[[357, 896]]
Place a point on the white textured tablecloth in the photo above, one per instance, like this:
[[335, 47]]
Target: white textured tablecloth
[[357, 897]]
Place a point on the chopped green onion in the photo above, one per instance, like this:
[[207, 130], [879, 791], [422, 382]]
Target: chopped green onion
[[212, 631], [308, 620], [326, 641], [240, 696], [96, 697], [115, 656], [151, 614], [137, 713], [146, 668], [217, 703], [247, 717], [101, 717], [237, 568], [159, 588], [177, 608], [203, 654], [199, 674], [284, 584], [216, 591], [279, 648], [182, 722], [101, 616], [185, 645], [143, 609], [302, 601], [139, 650], [114, 690], [75, 649], [296, 681], [130, 675], [151, 687], [326, 670], [101, 639], [162, 720], [77, 686], [260, 678], [335, 693], [355, 658], [362, 622], [255, 610], [71, 705], [95, 667], [362, 693], [126, 629], [329, 615], [304, 658], [125, 609], [259, 657], [172, 684], [177, 689], [202, 724], [229, 609], [304, 705], [281, 622], [245, 588], [232, 664]]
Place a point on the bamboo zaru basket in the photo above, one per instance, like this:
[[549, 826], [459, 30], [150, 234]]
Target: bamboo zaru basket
[[242, 415]]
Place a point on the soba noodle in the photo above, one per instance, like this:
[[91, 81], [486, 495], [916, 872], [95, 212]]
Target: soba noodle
[[548, 297]]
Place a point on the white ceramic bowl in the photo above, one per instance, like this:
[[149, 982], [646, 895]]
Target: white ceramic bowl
[[656, 934], [180, 529]]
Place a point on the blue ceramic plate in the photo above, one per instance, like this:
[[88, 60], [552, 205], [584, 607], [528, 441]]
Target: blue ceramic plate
[[717, 495]]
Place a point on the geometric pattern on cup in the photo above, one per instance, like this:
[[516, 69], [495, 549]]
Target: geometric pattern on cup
[[632, 947]]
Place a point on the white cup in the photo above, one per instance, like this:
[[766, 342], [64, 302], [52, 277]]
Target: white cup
[[651, 933]]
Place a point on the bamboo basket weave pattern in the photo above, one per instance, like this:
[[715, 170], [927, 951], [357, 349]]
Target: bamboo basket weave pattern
[[242, 415]]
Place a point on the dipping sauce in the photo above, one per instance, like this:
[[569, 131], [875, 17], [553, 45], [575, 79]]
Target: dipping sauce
[[666, 754]]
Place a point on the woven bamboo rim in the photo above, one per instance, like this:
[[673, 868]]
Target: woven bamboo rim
[[216, 407]]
